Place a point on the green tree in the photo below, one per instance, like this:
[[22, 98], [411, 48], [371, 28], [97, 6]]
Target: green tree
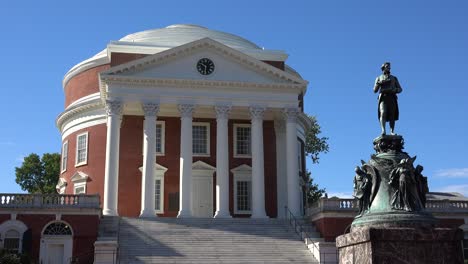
[[39, 175], [314, 145]]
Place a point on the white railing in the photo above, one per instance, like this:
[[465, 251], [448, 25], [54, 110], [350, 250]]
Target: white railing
[[11, 200], [347, 205]]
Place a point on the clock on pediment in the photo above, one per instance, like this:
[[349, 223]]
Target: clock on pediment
[[205, 66]]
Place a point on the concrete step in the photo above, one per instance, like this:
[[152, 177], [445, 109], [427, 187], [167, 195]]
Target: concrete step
[[171, 240]]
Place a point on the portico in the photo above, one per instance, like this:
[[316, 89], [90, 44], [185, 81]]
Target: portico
[[260, 93]]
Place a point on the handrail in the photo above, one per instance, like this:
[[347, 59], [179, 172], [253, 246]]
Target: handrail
[[290, 216]]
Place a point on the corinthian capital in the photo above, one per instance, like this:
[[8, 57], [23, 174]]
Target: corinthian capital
[[114, 107], [256, 112], [150, 109], [290, 114], [186, 110], [222, 111]]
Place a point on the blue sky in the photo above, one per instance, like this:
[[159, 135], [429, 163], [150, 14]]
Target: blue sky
[[338, 46]]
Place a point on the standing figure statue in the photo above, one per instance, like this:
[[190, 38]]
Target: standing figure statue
[[406, 195], [362, 190], [389, 87]]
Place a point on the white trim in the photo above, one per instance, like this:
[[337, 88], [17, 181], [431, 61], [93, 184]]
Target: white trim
[[163, 137], [161, 196], [207, 125], [85, 99], [79, 185], [79, 180], [86, 149], [242, 173], [61, 186], [159, 174], [16, 225], [63, 165], [235, 126], [66, 241]]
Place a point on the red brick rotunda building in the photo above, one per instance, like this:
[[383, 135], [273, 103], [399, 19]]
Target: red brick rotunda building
[[185, 121]]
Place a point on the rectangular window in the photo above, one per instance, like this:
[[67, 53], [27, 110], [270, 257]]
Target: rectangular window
[[160, 130], [299, 155], [159, 195], [81, 149], [201, 139], [242, 140], [244, 190], [11, 245], [80, 189], [64, 156]]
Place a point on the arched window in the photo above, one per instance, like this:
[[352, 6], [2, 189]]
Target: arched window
[[11, 242], [58, 229]]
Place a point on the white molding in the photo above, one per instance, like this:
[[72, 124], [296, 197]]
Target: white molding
[[235, 126], [159, 174], [71, 112], [84, 100], [79, 185], [85, 162], [63, 165], [200, 168], [207, 125], [95, 61], [61, 185]]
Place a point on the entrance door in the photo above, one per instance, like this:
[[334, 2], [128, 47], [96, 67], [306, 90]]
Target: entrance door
[[55, 254], [202, 196]]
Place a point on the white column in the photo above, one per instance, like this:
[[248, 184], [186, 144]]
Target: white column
[[281, 181], [292, 167], [185, 190], [111, 175], [222, 162], [258, 177], [149, 160]]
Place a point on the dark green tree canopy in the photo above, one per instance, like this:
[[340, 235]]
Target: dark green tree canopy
[[39, 175], [314, 145]]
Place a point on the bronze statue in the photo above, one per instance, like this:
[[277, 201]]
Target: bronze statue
[[389, 87], [362, 190], [406, 188]]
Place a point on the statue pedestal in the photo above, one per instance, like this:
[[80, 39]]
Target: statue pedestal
[[395, 245], [393, 226]]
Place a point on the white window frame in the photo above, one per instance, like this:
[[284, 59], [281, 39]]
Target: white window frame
[[76, 151], [64, 158], [207, 125], [79, 185], [242, 173], [163, 138], [16, 225], [161, 197], [235, 154]]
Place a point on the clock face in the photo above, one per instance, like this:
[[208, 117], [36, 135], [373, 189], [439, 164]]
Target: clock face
[[205, 66]]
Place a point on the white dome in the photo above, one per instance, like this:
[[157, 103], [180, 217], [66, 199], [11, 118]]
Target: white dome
[[180, 34]]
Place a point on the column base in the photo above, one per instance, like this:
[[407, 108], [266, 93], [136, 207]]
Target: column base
[[148, 214], [184, 214], [221, 214], [110, 212]]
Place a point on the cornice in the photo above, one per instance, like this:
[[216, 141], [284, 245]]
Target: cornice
[[114, 74], [97, 60], [70, 112]]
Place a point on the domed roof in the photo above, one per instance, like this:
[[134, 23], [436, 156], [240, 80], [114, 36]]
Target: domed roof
[[167, 38], [179, 34]]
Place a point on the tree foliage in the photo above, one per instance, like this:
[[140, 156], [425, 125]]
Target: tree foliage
[[39, 175], [314, 145]]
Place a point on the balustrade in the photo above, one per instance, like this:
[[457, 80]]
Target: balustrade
[[48, 201]]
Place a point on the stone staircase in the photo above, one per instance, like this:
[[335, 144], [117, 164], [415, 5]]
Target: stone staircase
[[205, 241]]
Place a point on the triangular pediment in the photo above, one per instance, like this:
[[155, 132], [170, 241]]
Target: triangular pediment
[[79, 176], [158, 169], [202, 166], [180, 64], [242, 169]]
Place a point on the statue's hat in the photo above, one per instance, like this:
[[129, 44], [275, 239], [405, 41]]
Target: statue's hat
[[383, 65]]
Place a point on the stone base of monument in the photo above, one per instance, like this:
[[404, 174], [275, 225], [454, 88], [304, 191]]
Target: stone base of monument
[[405, 245]]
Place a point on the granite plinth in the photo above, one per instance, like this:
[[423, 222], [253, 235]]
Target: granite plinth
[[415, 245]]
